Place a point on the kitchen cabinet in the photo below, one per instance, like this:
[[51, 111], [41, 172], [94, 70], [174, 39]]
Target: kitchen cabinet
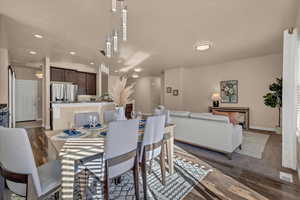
[[71, 76], [57, 74], [81, 82], [90, 84], [86, 81]]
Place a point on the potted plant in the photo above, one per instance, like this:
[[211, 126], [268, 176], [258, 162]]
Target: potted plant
[[273, 99]]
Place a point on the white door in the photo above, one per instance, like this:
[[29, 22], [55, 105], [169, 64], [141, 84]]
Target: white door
[[26, 100]]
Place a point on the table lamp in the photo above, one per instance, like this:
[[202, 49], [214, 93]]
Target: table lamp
[[215, 98]]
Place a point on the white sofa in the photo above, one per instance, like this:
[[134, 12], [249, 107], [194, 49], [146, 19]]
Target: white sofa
[[206, 130]]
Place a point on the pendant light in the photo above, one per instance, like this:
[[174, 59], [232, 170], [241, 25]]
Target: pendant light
[[114, 5], [115, 42], [108, 47], [124, 23]]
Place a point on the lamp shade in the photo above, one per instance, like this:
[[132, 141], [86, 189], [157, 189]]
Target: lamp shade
[[216, 97], [39, 75]]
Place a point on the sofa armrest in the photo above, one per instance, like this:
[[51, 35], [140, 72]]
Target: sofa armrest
[[237, 136]]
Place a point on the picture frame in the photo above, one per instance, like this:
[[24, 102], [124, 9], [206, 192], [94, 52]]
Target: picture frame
[[169, 89], [229, 91], [175, 92]]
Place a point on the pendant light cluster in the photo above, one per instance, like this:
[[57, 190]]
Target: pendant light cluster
[[112, 44]]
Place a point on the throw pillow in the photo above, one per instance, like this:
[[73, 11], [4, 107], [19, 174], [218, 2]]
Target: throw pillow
[[231, 115]]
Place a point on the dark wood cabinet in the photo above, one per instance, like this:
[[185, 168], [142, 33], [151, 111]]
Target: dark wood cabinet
[[81, 82], [71, 76], [91, 83], [86, 81], [57, 74]]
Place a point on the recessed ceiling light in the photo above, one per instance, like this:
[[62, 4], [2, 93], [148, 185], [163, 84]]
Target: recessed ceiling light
[[202, 46], [135, 76], [38, 36], [32, 52], [72, 52], [92, 63], [138, 69]]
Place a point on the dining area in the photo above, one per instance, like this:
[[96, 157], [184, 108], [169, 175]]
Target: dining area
[[122, 144], [87, 158]]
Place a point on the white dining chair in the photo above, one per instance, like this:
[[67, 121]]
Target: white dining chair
[[82, 119], [161, 110], [153, 147], [109, 116], [121, 153], [18, 169]]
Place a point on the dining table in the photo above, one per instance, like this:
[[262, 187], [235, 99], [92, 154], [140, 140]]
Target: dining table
[[71, 150]]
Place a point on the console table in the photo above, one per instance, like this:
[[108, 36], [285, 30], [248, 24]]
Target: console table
[[243, 110]]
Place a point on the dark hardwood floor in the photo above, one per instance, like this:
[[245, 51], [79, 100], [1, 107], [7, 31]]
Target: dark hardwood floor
[[262, 175], [266, 186]]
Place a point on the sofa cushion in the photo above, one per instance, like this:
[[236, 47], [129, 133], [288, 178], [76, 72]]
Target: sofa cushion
[[231, 115], [209, 116], [180, 113]]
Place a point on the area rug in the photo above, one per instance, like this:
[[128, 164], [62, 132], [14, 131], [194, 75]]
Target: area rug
[[186, 175], [177, 186], [253, 144]]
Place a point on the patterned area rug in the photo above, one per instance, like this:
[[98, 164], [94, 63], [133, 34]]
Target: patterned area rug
[[253, 144], [177, 186], [186, 175]]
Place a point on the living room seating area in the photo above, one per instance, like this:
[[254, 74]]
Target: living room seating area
[[206, 130]]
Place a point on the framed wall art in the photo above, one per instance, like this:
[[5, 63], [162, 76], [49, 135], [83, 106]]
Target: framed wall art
[[229, 91]]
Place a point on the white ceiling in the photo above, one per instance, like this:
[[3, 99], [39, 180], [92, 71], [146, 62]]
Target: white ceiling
[[161, 33]]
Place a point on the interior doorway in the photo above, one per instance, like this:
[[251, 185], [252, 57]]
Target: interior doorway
[[26, 100]]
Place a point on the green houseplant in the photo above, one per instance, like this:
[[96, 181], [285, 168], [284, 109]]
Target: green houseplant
[[274, 97]]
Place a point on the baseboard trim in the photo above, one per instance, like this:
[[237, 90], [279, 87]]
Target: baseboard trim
[[263, 128]]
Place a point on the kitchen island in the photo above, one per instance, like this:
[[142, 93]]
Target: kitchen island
[[62, 114]]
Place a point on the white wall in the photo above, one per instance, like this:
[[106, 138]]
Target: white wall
[[254, 76], [4, 76], [4, 62], [174, 79], [147, 94], [111, 81]]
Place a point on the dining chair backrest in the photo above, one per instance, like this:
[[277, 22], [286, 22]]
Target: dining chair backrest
[[82, 119], [154, 133], [109, 116], [122, 138], [16, 155], [162, 111]]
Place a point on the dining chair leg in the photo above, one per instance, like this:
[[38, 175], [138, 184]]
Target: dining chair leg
[[150, 166], [2, 186], [56, 195], [136, 178], [162, 165], [144, 175], [106, 183]]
